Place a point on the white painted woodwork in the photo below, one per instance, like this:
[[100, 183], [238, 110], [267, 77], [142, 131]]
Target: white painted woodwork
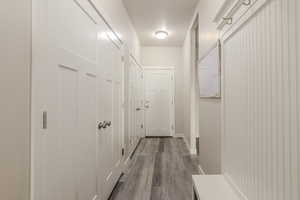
[[139, 104], [87, 139], [109, 110], [159, 102], [132, 102], [135, 104], [261, 107], [133, 119], [169, 56], [78, 81], [64, 79]]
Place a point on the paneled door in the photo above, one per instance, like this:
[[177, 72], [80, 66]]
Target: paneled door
[[64, 101], [139, 104], [109, 100], [135, 104], [159, 102], [132, 103]]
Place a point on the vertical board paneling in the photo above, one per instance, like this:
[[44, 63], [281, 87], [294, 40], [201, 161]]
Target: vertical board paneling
[[261, 103], [298, 92]]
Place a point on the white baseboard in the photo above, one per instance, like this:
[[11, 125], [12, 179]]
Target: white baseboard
[[186, 142], [236, 189], [193, 151], [201, 170], [127, 161]]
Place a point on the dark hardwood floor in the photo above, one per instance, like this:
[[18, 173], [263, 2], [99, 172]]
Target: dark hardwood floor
[[161, 169]]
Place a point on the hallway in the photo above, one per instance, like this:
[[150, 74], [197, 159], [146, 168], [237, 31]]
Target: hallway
[[150, 100], [161, 170]]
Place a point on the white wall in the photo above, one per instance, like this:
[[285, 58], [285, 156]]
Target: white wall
[[116, 14], [166, 57], [15, 31], [209, 109], [261, 103]]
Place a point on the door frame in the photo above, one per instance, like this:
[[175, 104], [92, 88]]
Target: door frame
[[172, 110], [194, 89]]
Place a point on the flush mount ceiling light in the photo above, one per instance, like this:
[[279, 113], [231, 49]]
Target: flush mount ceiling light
[[161, 35]]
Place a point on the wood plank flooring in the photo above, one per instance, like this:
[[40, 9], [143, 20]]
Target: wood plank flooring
[[161, 169]]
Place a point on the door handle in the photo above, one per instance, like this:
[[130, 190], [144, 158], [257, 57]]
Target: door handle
[[101, 125], [104, 125], [45, 120], [109, 123], [138, 109]]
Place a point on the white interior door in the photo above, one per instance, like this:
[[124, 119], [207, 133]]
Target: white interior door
[[134, 107], [109, 102], [159, 102], [64, 102], [139, 104]]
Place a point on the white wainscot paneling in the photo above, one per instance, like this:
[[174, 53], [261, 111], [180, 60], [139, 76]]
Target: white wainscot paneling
[[261, 103]]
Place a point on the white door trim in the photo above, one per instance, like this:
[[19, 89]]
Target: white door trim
[[159, 68], [172, 110]]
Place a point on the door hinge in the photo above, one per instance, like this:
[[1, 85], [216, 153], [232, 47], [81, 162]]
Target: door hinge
[[123, 151], [142, 126]]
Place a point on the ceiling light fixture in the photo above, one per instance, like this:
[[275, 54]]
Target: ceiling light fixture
[[161, 35]]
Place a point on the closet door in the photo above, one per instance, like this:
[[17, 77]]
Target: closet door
[[108, 94], [131, 104], [87, 140], [64, 101], [136, 105], [140, 104], [118, 111]]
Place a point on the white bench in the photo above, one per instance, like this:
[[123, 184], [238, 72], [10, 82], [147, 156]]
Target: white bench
[[213, 187]]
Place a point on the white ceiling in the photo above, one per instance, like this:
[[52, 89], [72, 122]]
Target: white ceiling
[[149, 16]]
